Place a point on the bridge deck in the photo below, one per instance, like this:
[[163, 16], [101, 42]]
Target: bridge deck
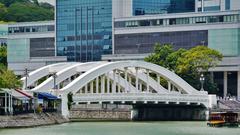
[[132, 98]]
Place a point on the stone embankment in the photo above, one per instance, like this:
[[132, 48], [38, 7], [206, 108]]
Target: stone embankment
[[31, 120], [96, 112], [100, 114]]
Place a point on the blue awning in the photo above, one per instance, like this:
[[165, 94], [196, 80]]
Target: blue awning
[[42, 95]]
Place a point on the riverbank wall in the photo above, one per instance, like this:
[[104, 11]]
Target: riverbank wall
[[31, 120], [100, 113]]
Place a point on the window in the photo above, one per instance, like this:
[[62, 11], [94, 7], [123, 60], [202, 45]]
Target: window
[[227, 4], [27, 29]]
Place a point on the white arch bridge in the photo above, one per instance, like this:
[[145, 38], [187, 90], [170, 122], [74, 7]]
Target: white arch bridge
[[126, 82]]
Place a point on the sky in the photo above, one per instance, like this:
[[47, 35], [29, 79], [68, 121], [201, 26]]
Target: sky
[[49, 1]]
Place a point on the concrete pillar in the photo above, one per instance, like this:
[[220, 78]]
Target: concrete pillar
[[225, 79], [86, 88], [238, 86], [91, 87], [134, 114], [126, 82], [159, 81], [147, 80], [64, 106], [118, 85], [169, 86], [140, 87], [9, 103], [196, 5], [5, 105], [202, 5], [130, 80], [136, 82], [108, 83], [114, 82], [97, 83], [102, 84]]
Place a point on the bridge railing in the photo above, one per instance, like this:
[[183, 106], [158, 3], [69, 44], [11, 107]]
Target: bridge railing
[[154, 97]]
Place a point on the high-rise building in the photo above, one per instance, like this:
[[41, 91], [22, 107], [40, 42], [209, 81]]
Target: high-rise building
[[88, 30], [84, 27]]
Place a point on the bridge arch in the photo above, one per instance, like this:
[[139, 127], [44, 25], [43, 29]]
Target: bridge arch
[[116, 81], [91, 74]]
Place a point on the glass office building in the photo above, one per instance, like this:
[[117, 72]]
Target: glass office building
[[84, 29], [138, 35], [146, 7]]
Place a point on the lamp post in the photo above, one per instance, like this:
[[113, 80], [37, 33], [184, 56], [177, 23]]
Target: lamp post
[[26, 76], [202, 79], [54, 75]]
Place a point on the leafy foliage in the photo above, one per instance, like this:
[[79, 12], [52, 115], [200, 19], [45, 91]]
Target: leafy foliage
[[7, 3], [25, 11], [160, 55], [3, 55], [199, 58], [3, 10], [9, 80], [187, 63]]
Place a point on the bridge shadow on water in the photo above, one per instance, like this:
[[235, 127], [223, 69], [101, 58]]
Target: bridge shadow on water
[[169, 112]]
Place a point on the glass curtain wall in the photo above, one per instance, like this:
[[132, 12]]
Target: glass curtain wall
[[84, 29], [146, 7], [144, 43]]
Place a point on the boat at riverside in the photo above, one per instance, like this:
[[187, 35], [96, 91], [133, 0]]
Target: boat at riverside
[[222, 119]]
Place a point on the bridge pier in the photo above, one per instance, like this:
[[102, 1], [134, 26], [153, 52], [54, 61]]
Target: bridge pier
[[64, 106]]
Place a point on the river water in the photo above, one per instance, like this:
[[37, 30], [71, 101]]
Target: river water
[[124, 128]]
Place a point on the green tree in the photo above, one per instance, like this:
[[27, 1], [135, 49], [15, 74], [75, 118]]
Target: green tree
[[3, 55], [9, 80], [187, 63], [7, 3], [159, 57], [22, 12], [25, 11], [3, 11], [199, 58]]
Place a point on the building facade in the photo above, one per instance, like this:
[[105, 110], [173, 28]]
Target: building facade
[[84, 28], [135, 37], [149, 7], [217, 5], [30, 45]]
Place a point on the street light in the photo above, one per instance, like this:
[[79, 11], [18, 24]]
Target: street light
[[54, 75], [202, 79], [26, 76]]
